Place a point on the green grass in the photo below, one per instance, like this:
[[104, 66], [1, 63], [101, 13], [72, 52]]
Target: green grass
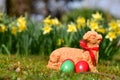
[[33, 67]]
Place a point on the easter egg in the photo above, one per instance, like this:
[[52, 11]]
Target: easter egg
[[81, 66], [67, 66]]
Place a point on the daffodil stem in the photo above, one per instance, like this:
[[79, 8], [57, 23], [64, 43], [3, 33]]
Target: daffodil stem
[[107, 48], [70, 39], [6, 49]]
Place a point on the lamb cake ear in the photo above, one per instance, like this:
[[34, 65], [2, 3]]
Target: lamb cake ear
[[100, 36], [86, 35]]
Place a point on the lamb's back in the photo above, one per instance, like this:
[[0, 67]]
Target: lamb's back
[[70, 53]]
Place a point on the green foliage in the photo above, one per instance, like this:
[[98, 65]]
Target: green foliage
[[84, 12], [23, 36]]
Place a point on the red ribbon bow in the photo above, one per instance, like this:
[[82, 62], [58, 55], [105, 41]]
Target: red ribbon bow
[[84, 46]]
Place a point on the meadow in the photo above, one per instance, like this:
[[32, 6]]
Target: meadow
[[25, 46], [33, 67]]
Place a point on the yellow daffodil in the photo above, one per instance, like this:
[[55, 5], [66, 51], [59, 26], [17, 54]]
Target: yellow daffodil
[[47, 20], [21, 27], [60, 42], [55, 21], [21, 20], [97, 16], [118, 31], [101, 30], [50, 21], [3, 28], [80, 22], [93, 25], [14, 30], [21, 23], [118, 22], [118, 28], [113, 25], [47, 29], [71, 28], [111, 35]]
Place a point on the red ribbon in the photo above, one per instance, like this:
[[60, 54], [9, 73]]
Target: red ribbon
[[84, 46]]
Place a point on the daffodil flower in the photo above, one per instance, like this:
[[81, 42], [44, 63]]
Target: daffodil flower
[[14, 30], [47, 29], [21, 27], [55, 21], [111, 35], [118, 31], [93, 25], [80, 22], [113, 25], [118, 22], [71, 28], [97, 16], [101, 30], [47, 20], [60, 41], [21, 23], [3, 28], [21, 20]]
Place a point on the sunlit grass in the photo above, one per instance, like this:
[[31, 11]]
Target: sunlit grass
[[33, 67]]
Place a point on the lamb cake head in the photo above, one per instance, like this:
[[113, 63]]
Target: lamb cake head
[[92, 38]]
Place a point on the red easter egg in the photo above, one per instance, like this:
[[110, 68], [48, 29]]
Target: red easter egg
[[81, 66]]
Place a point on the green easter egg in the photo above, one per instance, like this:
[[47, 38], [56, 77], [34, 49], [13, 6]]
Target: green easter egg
[[67, 66]]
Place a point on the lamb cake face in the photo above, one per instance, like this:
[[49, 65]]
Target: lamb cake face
[[89, 53]]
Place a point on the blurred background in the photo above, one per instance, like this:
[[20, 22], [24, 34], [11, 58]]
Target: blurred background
[[39, 9], [31, 33]]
